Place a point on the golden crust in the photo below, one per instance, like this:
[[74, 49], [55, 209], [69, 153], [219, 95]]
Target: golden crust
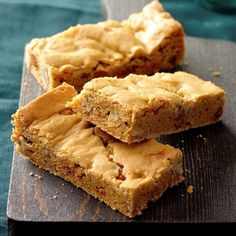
[[42, 107], [109, 48], [56, 131], [141, 91], [152, 26]]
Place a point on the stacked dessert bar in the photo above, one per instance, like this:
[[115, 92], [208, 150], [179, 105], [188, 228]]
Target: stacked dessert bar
[[102, 139], [58, 139]]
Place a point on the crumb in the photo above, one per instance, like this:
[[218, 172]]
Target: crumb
[[190, 189], [37, 176], [182, 195], [56, 192], [71, 191], [63, 184], [66, 195], [55, 197], [182, 141], [216, 73], [200, 136], [31, 174], [187, 170], [205, 140]]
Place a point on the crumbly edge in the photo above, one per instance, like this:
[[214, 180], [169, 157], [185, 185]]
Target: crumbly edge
[[130, 202], [131, 125], [164, 57], [167, 119]]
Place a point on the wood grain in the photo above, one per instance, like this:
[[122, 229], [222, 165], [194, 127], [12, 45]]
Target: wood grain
[[209, 162]]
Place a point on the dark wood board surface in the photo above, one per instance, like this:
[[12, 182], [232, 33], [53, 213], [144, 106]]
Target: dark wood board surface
[[209, 161]]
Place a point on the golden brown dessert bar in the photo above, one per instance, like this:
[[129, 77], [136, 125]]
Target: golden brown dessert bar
[[139, 107], [145, 43], [124, 176]]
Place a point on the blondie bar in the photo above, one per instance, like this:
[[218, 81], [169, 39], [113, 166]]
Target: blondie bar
[[145, 43], [139, 107], [52, 136]]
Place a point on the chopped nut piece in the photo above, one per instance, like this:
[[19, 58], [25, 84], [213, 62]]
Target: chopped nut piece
[[55, 197], [31, 174], [26, 84]]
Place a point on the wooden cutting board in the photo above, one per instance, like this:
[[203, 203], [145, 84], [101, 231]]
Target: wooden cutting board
[[209, 156]]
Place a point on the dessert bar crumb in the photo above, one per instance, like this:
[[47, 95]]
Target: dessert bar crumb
[[190, 189], [216, 73]]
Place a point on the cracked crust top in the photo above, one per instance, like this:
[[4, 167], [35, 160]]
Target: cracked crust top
[[64, 132], [110, 42], [141, 91]]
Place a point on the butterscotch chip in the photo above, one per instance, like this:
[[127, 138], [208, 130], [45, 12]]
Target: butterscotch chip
[[145, 43], [123, 176], [140, 107]]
